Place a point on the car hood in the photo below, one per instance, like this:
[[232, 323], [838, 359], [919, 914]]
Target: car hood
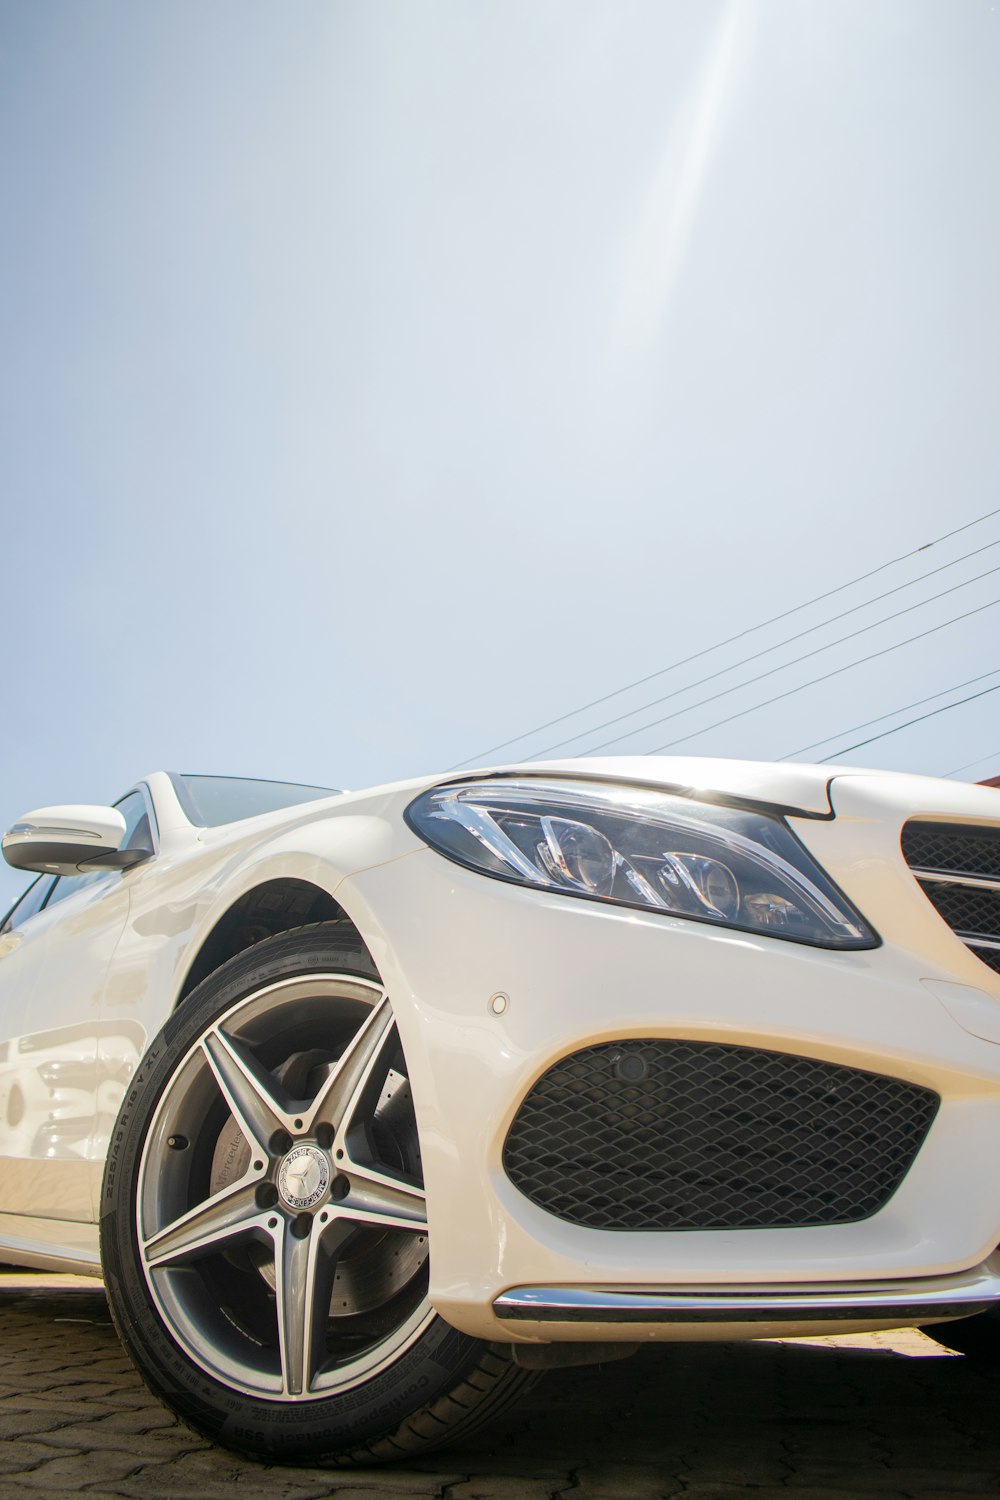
[[810, 791]]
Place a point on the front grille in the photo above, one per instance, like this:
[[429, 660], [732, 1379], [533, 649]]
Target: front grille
[[658, 1134], [956, 849], [958, 867], [970, 911]]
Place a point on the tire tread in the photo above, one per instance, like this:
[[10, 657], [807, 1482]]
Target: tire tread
[[501, 1385]]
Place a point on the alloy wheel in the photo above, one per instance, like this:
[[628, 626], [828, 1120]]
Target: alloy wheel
[[280, 1211]]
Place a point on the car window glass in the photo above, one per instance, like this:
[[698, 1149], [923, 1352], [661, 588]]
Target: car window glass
[[214, 800], [137, 836], [31, 902], [137, 831], [68, 885]]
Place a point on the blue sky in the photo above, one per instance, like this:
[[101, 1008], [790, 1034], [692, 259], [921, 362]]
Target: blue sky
[[378, 381]]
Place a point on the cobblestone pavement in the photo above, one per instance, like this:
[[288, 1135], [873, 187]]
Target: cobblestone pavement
[[879, 1415]]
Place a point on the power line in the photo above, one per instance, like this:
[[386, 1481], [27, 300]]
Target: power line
[[806, 655], [750, 630], [846, 750], [788, 641], [872, 656], [955, 687], [993, 755]]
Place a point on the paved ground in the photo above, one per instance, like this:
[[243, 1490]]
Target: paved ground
[[881, 1416]]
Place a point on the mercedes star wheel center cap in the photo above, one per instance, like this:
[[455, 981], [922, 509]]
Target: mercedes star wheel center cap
[[304, 1176]]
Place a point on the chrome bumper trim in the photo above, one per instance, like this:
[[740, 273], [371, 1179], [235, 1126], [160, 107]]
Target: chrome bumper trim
[[956, 1296]]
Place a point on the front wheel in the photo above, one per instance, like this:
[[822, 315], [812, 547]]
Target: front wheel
[[263, 1231]]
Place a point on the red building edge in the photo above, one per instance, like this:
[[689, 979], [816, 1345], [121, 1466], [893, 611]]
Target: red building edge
[[991, 781]]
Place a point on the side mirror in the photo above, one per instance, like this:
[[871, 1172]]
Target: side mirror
[[70, 841]]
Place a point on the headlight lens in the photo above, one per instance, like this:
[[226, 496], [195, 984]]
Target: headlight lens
[[642, 848]]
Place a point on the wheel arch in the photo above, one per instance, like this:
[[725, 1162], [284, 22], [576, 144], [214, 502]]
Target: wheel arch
[[298, 877], [274, 904]]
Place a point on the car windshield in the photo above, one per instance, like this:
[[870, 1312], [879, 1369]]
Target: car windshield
[[211, 801]]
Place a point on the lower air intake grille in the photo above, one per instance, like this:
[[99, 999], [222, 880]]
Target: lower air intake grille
[[663, 1134], [958, 867]]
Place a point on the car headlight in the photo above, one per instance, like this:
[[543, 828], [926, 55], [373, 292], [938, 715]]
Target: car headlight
[[649, 849]]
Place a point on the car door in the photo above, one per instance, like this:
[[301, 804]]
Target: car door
[[52, 981], [20, 936]]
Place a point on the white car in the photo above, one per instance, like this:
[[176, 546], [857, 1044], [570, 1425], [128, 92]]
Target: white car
[[369, 1106]]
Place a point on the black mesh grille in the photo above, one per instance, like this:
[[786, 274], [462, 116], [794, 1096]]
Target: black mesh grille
[[665, 1134], [966, 908], [959, 849]]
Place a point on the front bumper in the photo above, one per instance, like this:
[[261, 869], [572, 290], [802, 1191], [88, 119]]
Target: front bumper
[[575, 973]]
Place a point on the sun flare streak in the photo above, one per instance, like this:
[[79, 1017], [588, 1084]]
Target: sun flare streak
[[657, 244]]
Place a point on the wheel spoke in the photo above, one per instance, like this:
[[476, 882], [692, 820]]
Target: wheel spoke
[[224, 1217], [338, 1099], [248, 1089], [294, 1272], [382, 1199], [304, 1271]]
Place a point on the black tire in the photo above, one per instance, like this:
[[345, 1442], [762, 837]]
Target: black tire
[[434, 1384], [977, 1337]]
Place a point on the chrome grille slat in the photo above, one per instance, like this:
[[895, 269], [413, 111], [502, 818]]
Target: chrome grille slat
[[947, 877]]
